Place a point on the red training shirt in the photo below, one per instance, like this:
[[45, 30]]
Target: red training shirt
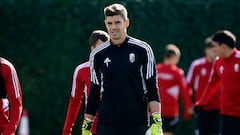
[[171, 82], [226, 73], [9, 123], [80, 87], [198, 76]]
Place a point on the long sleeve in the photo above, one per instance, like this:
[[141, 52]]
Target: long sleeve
[[186, 99], [14, 94], [72, 113], [149, 72], [94, 94], [75, 102], [211, 87]]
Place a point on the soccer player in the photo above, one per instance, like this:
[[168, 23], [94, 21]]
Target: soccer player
[[171, 82], [208, 121], [81, 84], [226, 73], [11, 98], [124, 68]]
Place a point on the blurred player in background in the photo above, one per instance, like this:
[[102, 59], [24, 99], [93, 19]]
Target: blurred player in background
[[226, 73], [171, 83], [208, 121], [81, 84], [11, 98]]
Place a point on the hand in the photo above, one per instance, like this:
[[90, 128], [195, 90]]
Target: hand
[[156, 126], [188, 113], [198, 108], [86, 127]]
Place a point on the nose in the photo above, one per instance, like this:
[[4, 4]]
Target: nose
[[113, 26]]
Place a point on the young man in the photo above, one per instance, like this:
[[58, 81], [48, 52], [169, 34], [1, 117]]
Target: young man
[[11, 98], [124, 68], [171, 82], [208, 121], [226, 73], [81, 84]]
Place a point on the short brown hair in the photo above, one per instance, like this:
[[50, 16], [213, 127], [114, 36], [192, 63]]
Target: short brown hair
[[98, 34], [116, 9]]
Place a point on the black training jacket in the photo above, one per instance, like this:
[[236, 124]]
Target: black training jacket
[[125, 74]]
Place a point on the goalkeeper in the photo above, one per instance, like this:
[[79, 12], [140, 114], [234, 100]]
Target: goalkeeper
[[124, 69]]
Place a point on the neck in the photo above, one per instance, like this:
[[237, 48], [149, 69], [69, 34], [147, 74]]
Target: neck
[[119, 41], [210, 59], [168, 62]]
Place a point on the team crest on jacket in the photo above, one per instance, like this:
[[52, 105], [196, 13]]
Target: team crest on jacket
[[236, 67], [132, 57]]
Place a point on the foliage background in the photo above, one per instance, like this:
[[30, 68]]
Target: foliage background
[[47, 39]]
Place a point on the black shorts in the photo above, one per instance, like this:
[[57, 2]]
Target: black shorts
[[121, 130], [169, 124], [230, 125], [208, 122]]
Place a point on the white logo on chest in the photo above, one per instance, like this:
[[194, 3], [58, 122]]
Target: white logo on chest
[[236, 67], [132, 57], [203, 71], [221, 69], [106, 61]]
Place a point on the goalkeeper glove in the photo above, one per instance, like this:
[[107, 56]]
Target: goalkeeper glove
[[156, 126], [86, 127]]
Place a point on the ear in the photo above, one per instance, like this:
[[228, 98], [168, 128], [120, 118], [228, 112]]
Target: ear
[[105, 22], [92, 48], [127, 22]]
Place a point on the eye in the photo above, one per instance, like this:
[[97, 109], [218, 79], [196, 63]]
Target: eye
[[118, 22], [109, 23]]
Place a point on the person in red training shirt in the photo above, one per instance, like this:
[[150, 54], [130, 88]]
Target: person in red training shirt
[[81, 85], [226, 74], [171, 82], [208, 121], [11, 98]]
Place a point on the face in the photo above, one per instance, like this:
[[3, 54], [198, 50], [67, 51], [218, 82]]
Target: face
[[99, 42], [220, 49], [175, 59], [117, 28], [211, 53]]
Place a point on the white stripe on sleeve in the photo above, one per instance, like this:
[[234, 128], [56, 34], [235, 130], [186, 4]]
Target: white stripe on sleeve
[[94, 78]]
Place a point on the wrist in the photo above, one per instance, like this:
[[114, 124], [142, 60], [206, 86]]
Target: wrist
[[154, 112], [88, 119]]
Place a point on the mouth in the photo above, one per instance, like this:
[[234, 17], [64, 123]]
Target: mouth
[[114, 33]]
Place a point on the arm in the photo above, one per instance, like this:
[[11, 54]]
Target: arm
[[93, 98], [186, 99], [94, 94], [149, 72], [154, 106], [211, 87], [14, 93], [75, 101]]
